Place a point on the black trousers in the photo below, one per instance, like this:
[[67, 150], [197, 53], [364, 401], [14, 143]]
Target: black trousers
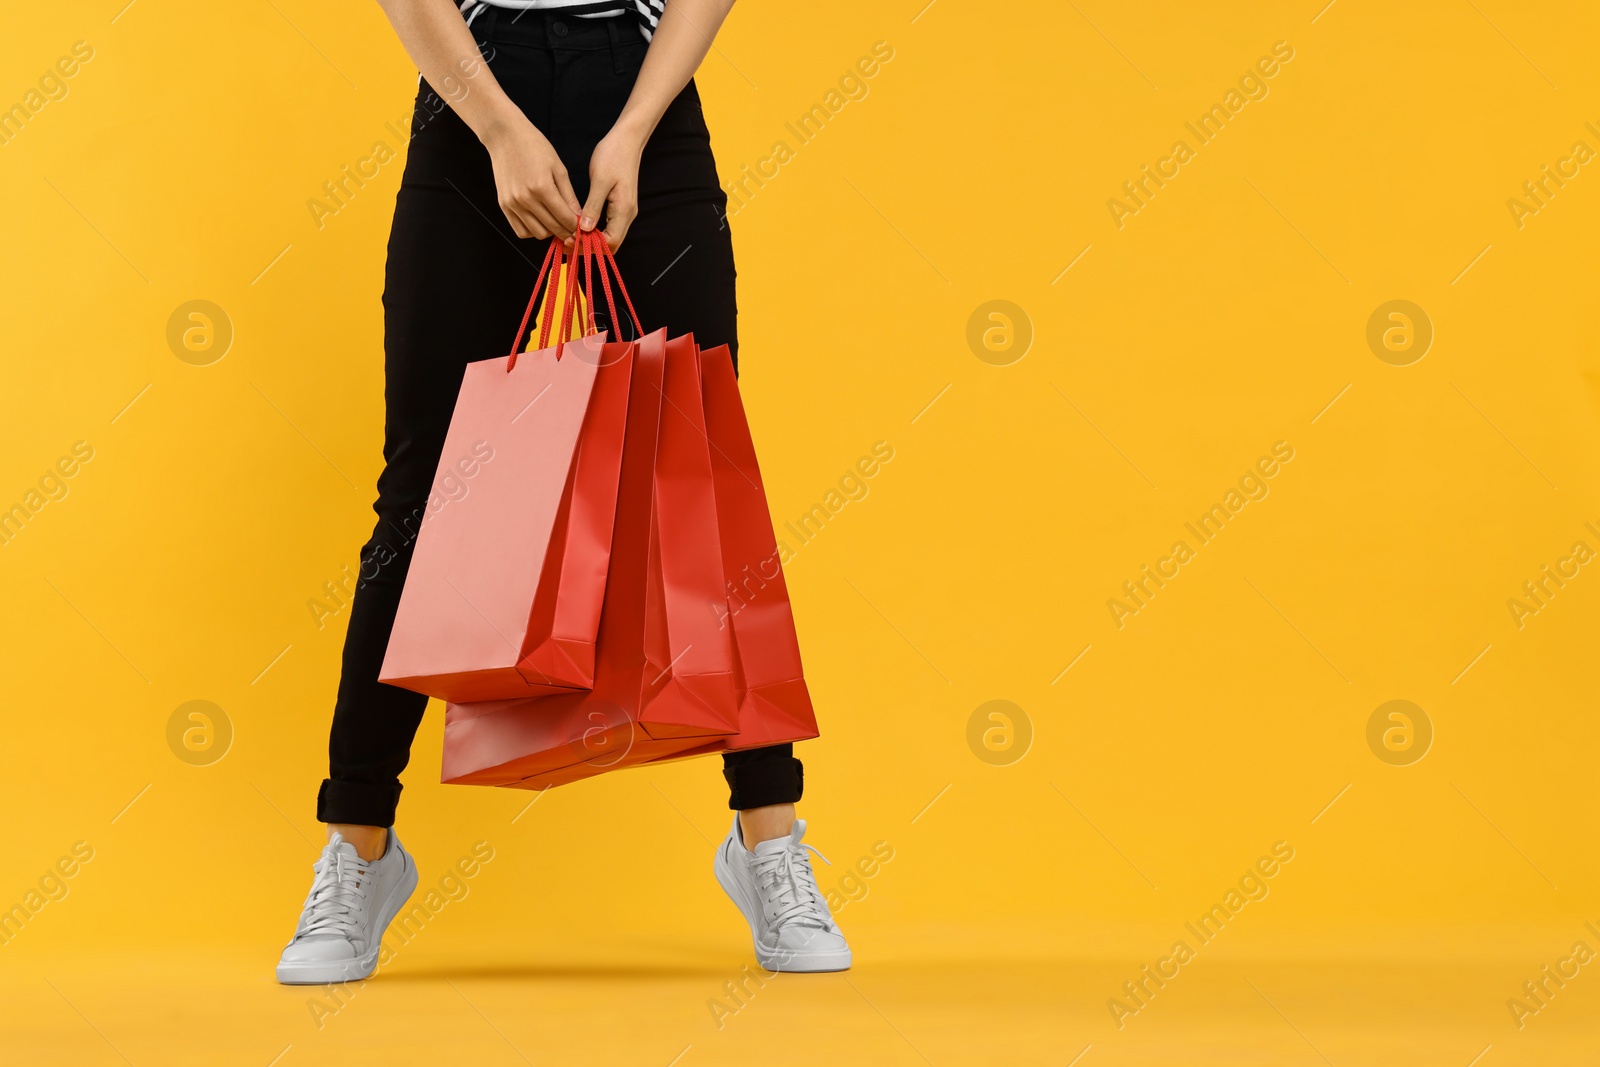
[[456, 284]]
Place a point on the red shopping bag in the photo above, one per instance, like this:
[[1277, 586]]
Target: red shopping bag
[[664, 667], [630, 718], [504, 592], [774, 702], [689, 661]]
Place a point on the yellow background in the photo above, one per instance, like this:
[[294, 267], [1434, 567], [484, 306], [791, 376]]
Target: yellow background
[[1225, 716]]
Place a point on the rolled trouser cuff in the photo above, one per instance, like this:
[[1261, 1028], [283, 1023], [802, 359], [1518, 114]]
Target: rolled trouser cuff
[[763, 782], [357, 803]]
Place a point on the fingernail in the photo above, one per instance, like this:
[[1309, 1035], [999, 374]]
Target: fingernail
[[588, 223]]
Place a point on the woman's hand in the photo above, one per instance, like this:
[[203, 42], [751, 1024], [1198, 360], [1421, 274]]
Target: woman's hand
[[614, 184], [531, 181]]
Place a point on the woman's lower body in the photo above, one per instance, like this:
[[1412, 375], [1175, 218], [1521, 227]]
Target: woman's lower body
[[456, 284]]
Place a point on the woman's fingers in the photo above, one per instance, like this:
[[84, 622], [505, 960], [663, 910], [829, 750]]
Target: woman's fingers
[[542, 208], [526, 223], [524, 209], [545, 205], [613, 180], [599, 188], [532, 185], [569, 198], [620, 214], [522, 226], [559, 202]]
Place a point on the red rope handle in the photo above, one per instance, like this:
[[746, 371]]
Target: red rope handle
[[605, 282], [567, 297], [582, 247], [569, 306], [516, 342], [599, 241], [589, 246]]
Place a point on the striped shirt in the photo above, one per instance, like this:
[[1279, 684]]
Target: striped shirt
[[648, 12]]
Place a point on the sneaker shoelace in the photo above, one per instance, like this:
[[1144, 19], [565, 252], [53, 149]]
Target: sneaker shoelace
[[338, 897], [789, 888]]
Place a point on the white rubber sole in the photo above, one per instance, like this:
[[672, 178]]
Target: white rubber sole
[[784, 961], [327, 972]]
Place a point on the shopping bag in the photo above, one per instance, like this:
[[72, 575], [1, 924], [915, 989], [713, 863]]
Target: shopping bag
[[774, 702], [565, 741], [537, 742], [689, 662], [547, 741], [653, 691], [504, 591], [509, 742]]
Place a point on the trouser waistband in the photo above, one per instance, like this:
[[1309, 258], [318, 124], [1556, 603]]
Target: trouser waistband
[[590, 26]]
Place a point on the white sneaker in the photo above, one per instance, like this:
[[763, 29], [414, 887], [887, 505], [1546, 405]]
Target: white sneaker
[[775, 889], [349, 907]]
